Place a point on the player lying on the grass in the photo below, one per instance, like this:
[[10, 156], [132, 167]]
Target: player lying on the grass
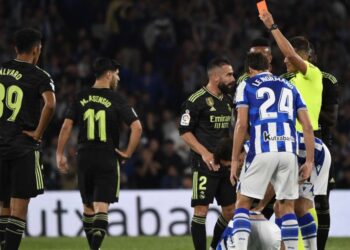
[[265, 233], [317, 185]]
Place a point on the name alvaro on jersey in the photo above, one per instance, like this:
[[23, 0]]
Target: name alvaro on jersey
[[10, 72]]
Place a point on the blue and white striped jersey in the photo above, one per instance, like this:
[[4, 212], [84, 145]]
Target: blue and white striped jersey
[[319, 152], [319, 155], [273, 104]]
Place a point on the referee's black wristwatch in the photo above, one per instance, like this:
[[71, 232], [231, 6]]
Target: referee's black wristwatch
[[273, 27]]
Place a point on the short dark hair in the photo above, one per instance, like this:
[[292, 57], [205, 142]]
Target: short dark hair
[[260, 42], [25, 39], [103, 64], [223, 150], [217, 62], [256, 61], [313, 55], [300, 43]]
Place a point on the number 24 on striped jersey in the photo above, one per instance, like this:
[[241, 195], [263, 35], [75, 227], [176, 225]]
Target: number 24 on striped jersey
[[285, 104]]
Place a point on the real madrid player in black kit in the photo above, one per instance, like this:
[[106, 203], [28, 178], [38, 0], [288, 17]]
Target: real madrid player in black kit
[[206, 118], [98, 112], [23, 86]]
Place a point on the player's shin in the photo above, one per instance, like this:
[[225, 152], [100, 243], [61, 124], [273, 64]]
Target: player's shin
[[198, 232], [241, 228], [289, 231], [219, 228], [3, 224], [278, 222], [14, 231], [324, 220], [308, 231], [88, 220], [4, 216], [99, 230]]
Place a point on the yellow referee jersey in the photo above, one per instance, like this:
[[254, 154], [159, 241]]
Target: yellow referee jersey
[[310, 88]]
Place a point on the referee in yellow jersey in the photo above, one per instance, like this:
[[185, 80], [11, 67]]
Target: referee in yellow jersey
[[308, 80], [307, 77], [327, 121]]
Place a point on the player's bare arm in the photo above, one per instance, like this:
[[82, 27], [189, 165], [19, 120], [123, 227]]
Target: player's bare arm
[[46, 116], [134, 139], [196, 146], [286, 48], [270, 192], [65, 133], [306, 168], [239, 137]]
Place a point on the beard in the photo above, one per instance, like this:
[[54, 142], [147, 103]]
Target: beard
[[224, 88]]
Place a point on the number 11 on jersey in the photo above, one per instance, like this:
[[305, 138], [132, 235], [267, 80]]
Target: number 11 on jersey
[[91, 118]]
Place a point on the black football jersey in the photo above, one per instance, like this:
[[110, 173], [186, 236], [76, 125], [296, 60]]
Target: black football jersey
[[21, 88], [208, 118], [99, 113]]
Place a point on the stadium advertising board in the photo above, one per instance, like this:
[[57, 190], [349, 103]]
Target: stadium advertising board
[[156, 213]]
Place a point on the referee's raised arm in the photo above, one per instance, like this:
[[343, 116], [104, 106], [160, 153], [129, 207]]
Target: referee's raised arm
[[286, 48]]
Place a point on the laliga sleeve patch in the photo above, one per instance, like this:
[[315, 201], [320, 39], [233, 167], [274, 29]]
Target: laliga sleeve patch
[[185, 118]]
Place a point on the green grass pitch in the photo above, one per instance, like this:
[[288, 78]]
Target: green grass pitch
[[137, 243]]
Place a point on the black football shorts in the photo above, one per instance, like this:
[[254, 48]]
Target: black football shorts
[[98, 175], [206, 187], [21, 177]]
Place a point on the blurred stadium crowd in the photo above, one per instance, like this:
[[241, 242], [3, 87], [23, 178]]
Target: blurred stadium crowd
[[163, 46]]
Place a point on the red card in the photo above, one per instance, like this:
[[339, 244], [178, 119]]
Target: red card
[[262, 6]]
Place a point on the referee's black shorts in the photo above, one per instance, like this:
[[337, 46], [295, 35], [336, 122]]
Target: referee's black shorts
[[98, 175], [21, 177]]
